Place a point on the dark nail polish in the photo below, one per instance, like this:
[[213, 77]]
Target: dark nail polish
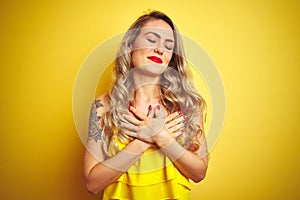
[[182, 130], [179, 112], [185, 116], [129, 107], [158, 107], [150, 107]]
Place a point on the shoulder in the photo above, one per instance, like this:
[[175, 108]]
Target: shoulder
[[103, 97], [101, 102], [99, 106], [98, 110]]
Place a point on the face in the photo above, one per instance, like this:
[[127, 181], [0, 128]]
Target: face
[[153, 47]]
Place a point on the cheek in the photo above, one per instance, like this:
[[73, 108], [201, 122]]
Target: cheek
[[138, 57], [168, 57], [134, 58]]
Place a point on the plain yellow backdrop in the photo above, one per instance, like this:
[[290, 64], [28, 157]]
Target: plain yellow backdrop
[[254, 44]]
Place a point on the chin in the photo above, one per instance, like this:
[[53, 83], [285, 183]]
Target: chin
[[152, 69]]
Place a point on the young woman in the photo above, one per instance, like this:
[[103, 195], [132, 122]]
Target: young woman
[[146, 137]]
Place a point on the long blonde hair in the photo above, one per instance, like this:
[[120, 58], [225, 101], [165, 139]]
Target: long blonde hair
[[177, 89]]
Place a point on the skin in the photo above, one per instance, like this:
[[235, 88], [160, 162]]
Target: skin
[[155, 39]]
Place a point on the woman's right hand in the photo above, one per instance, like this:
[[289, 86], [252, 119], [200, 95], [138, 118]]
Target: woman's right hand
[[146, 128]]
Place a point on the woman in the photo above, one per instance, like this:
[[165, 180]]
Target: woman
[[146, 136]]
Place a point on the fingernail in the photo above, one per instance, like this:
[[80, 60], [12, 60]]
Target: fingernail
[[129, 107], [182, 130], [158, 107], [150, 107], [179, 112], [185, 116]]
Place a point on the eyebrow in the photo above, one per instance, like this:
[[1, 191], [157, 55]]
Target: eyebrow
[[157, 35]]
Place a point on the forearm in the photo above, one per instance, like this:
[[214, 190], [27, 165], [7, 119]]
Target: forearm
[[189, 163], [104, 173], [100, 177], [192, 166]]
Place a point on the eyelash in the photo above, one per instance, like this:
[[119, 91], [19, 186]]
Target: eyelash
[[153, 41], [150, 40], [169, 48]]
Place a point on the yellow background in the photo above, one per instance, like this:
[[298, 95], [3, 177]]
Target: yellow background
[[254, 44]]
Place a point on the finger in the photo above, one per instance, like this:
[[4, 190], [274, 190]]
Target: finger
[[132, 119], [129, 126], [130, 133], [136, 113], [150, 111], [176, 128], [176, 121], [159, 112], [152, 144], [178, 133], [172, 116]]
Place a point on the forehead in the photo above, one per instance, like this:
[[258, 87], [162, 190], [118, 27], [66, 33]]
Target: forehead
[[158, 26]]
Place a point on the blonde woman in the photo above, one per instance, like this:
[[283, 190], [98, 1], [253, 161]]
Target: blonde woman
[[146, 137]]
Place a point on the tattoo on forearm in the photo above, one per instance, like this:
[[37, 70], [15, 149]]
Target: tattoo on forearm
[[95, 131]]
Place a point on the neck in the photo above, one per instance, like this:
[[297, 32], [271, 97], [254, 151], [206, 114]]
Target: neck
[[147, 89], [147, 94]]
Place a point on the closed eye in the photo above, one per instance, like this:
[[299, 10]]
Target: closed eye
[[170, 46], [154, 37], [151, 40]]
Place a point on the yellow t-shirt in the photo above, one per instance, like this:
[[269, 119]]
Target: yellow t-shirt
[[152, 177]]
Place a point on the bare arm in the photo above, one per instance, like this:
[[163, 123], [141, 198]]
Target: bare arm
[[98, 172], [193, 162], [101, 173]]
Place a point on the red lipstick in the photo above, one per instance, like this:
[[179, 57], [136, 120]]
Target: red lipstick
[[155, 59]]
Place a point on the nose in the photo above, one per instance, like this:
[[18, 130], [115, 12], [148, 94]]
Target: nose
[[159, 51]]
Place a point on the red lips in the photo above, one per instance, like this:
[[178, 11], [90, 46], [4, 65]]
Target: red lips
[[155, 59]]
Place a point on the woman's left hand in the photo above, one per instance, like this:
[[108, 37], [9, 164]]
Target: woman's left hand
[[147, 128]]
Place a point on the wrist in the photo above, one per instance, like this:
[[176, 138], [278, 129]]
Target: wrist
[[173, 150], [139, 146], [163, 138]]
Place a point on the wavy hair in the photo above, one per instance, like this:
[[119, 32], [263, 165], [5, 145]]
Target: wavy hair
[[177, 89]]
